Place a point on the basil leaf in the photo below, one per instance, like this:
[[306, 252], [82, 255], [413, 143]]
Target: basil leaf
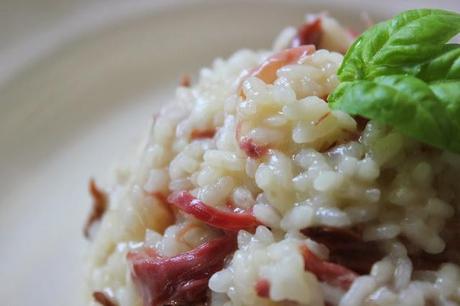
[[445, 66], [428, 113], [448, 94], [399, 45]]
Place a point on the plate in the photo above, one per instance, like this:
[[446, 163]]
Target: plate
[[74, 102]]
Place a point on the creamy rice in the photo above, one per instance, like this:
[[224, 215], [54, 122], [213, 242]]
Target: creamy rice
[[276, 150]]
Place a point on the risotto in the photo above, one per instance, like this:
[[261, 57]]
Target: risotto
[[250, 189]]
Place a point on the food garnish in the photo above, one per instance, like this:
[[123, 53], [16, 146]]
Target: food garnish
[[404, 72]]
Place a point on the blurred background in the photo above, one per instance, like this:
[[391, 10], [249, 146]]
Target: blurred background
[[34, 27], [79, 82]]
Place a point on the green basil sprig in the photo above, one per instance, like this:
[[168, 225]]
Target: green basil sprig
[[403, 72]]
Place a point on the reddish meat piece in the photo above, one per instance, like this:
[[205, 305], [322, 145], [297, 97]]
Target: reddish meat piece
[[331, 273], [267, 70], [346, 247], [200, 134], [103, 299], [309, 33], [248, 146], [185, 80], [252, 149], [160, 197], [232, 221], [329, 234], [361, 122], [98, 209], [182, 279], [263, 288]]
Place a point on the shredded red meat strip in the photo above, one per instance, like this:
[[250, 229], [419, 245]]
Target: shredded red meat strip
[[185, 80], [331, 273], [248, 146], [267, 70], [103, 299], [263, 288], [361, 122], [98, 209], [200, 134], [182, 279], [231, 221], [346, 247], [308, 34], [252, 149]]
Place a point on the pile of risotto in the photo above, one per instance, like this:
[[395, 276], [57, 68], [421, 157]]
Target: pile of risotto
[[250, 190]]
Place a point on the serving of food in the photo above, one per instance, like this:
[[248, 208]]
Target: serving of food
[[322, 172]]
